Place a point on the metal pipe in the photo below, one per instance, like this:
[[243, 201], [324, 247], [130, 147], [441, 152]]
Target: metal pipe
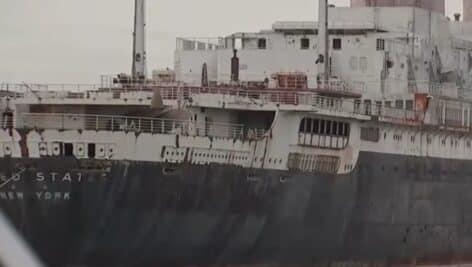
[[139, 42], [323, 39]]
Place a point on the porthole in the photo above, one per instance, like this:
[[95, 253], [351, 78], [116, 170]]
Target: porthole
[[56, 149], [101, 151], [7, 150], [111, 149], [80, 150], [43, 149]]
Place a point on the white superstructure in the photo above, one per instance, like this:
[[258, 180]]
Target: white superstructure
[[383, 53], [401, 76]]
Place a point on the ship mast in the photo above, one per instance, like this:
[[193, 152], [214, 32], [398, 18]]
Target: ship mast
[[138, 71], [323, 39]]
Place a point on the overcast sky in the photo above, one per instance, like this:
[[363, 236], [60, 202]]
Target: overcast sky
[[75, 41]]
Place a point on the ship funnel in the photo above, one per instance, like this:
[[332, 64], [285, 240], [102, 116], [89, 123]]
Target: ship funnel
[[323, 38], [138, 71]]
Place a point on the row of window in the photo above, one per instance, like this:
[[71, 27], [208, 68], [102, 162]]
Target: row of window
[[324, 127], [368, 134], [397, 104], [222, 156], [337, 43]]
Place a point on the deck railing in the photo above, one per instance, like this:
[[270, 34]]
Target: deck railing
[[292, 98], [63, 121]]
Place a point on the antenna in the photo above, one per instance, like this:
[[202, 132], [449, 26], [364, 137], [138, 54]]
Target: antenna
[[323, 39], [138, 71]]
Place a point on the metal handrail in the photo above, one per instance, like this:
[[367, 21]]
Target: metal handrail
[[258, 96], [65, 121]]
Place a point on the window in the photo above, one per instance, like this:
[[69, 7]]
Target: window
[[91, 151], [378, 107], [324, 127], [380, 44], [371, 134], [334, 128], [363, 64], [316, 126], [368, 107], [397, 137], [346, 129], [337, 44], [68, 149], [339, 129], [409, 104], [303, 126], [305, 43], [309, 125], [262, 43], [399, 104]]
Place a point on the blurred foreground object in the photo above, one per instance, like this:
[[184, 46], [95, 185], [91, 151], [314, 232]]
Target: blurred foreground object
[[13, 251]]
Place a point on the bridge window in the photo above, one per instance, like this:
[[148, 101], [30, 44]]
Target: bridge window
[[305, 43], [399, 104], [262, 43], [337, 44], [324, 127], [380, 44], [371, 134], [329, 132], [316, 126]]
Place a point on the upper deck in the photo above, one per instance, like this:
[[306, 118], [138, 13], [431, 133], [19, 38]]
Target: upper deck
[[441, 111]]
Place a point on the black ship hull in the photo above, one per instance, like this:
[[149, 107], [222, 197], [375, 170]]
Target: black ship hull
[[390, 210]]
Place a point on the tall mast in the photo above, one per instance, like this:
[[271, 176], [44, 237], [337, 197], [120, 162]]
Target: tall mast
[[323, 46], [138, 71]]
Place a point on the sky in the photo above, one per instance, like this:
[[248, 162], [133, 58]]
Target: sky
[[76, 41]]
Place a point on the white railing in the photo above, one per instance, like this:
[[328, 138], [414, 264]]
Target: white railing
[[310, 99], [289, 98], [63, 121]]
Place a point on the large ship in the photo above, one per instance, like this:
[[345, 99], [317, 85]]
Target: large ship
[[340, 143]]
